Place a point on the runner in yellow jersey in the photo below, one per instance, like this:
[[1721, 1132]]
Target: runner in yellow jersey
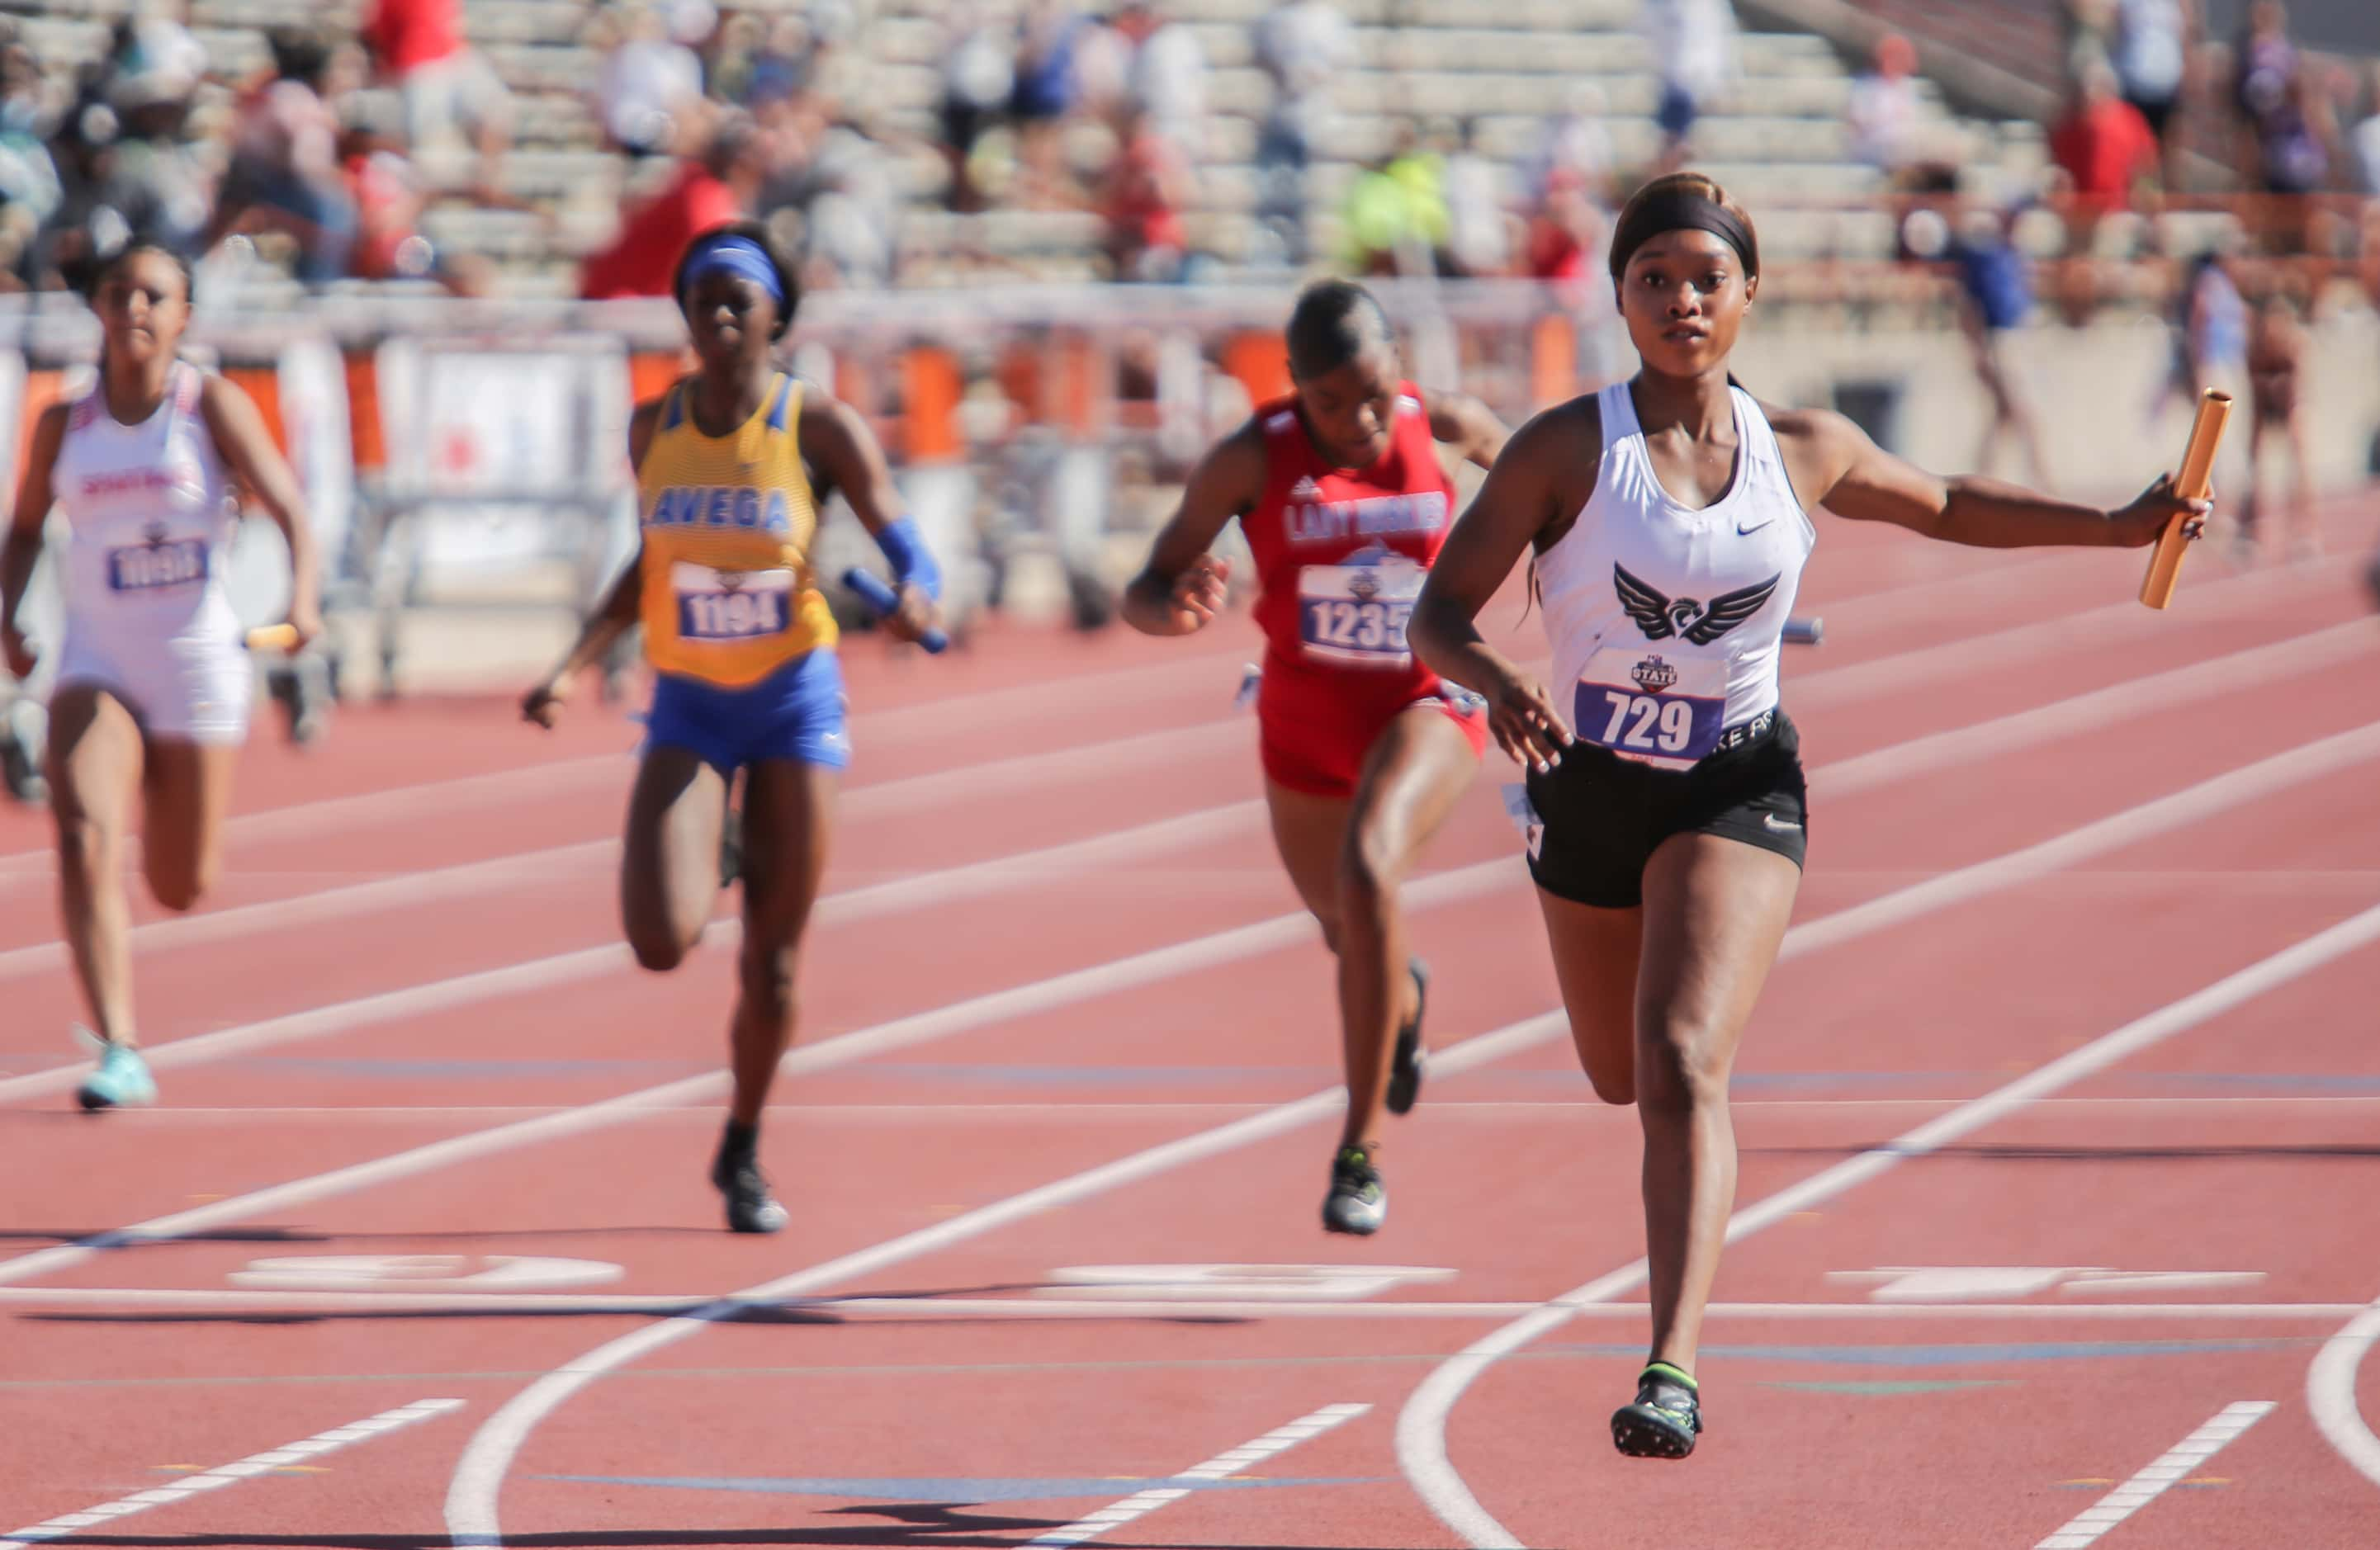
[[743, 648]]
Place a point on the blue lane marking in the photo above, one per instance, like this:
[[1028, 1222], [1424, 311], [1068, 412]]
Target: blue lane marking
[[1099, 1076], [2256, 1079], [1959, 1355], [1795, 1081], [953, 1491], [1817, 1083], [1093, 1077], [1753, 1080], [491, 1068]]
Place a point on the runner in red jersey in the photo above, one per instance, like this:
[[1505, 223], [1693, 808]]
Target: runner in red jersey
[[1344, 502]]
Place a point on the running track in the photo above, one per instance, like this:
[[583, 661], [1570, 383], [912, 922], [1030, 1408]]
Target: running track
[[2060, 1122]]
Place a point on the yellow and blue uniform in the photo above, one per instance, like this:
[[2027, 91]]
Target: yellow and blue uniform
[[733, 620]]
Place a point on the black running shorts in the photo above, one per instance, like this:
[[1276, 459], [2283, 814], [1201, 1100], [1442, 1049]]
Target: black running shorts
[[1600, 817]]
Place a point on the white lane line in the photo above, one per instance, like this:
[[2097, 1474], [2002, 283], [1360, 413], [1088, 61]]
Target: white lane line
[[2071, 635], [430, 798], [471, 1511], [900, 1309], [2320, 757], [479, 1475], [2158, 1477], [2121, 828], [998, 1006], [1421, 1426], [1140, 1503], [233, 1473], [1824, 686], [866, 903], [330, 903], [2250, 782], [2080, 713], [2330, 1393], [2101, 708], [1041, 1112], [882, 798]]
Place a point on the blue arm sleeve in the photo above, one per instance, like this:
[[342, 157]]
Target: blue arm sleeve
[[912, 562]]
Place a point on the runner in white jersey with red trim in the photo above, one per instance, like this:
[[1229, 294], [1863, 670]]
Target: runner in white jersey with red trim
[[153, 682], [147, 614], [1664, 800]]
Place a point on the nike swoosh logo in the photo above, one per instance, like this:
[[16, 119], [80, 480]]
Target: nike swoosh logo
[[1742, 531], [1772, 821]]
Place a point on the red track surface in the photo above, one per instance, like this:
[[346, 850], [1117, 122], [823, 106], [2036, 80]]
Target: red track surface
[[1006, 1029]]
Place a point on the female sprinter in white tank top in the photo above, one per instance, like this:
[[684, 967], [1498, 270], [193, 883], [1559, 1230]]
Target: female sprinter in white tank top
[[153, 678], [1668, 519]]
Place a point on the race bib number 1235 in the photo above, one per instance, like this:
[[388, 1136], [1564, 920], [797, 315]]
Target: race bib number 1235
[[1356, 614]]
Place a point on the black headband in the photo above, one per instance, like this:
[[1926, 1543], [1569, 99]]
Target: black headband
[[1681, 210]]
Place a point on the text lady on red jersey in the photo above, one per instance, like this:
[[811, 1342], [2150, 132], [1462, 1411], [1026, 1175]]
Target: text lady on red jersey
[[1344, 504]]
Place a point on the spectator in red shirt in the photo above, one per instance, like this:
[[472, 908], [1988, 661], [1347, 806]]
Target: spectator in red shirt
[[451, 92], [720, 185], [1566, 236], [389, 198], [2103, 144], [1147, 186]]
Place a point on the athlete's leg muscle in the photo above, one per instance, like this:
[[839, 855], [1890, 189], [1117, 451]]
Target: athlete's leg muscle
[[1715, 914]]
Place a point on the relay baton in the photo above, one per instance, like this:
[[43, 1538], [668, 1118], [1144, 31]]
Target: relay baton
[[1805, 632], [2197, 477], [881, 603], [274, 637]]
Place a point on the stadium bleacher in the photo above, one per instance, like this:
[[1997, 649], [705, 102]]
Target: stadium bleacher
[[1779, 140]]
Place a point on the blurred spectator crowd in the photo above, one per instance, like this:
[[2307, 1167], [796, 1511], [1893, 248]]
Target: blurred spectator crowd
[[365, 146]]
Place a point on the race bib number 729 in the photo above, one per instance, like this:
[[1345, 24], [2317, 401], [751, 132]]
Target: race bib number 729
[[1643, 706]]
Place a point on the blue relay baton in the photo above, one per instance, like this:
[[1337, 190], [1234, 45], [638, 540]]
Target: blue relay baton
[[881, 601]]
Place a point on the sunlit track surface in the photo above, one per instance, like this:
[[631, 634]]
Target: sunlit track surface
[[1067, 1074]]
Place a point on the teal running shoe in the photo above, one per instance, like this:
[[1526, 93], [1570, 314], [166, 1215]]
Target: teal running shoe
[[121, 1078]]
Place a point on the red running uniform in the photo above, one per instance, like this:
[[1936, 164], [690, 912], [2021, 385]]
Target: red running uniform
[[1339, 556]]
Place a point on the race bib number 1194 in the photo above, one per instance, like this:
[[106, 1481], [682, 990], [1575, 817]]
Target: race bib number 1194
[[731, 605]]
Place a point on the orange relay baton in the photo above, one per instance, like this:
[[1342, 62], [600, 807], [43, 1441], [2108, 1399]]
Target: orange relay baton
[[2192, 484]]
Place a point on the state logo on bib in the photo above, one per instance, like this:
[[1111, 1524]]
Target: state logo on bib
[[1643, 706], [1355, 613], [715, 605]]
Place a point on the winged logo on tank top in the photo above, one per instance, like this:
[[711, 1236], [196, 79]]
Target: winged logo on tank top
[[1697, 623]]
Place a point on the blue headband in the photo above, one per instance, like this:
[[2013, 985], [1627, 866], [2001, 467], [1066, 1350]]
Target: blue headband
[[739, 256]]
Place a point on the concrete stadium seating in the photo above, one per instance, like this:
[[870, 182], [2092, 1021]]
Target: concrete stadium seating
[[1502, 64]]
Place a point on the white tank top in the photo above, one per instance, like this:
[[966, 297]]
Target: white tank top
[[149, 516], [1665, 622]]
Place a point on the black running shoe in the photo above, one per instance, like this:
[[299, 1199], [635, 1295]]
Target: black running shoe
[[19, 771], [731, 847], [1666, 1418], [750, 1206], [1356, 1203], [1405, 1069]]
